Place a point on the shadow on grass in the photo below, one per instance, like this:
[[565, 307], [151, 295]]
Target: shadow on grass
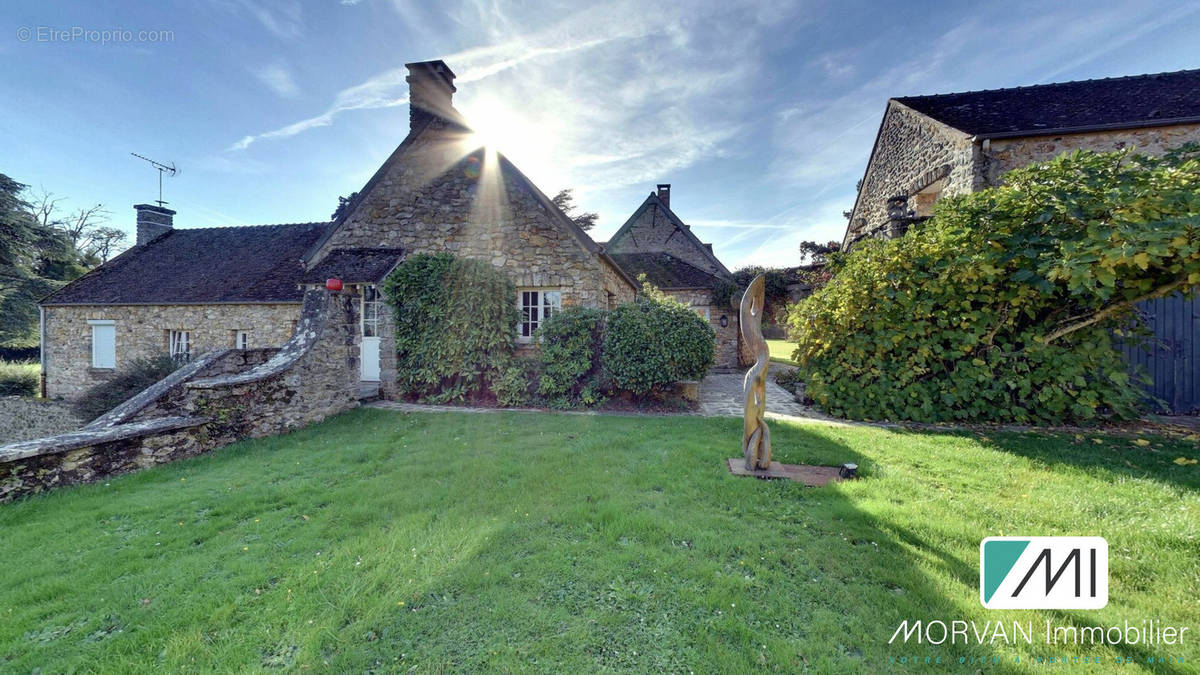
[[1115, 456]]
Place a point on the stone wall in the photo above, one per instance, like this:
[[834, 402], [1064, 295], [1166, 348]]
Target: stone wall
[[222, 397], [726, 346], [911, 153], [438, 198], [654, 230], [23, 417], [1006, 154], [141, 331]]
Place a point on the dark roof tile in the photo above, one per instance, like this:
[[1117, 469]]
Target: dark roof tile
[[205, 265], [1137, 100], [664, 270], [355, 265]]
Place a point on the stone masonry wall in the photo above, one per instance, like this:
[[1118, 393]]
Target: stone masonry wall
[[437, 198], [141, 330], [912, 152], [253, 393], [726, 343], [1007, 154], [655, 231]]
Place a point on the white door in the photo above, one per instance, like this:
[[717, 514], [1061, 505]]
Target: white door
[[370, 359], [369, 349]]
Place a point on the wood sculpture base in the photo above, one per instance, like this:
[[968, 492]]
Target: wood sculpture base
[[812, 476]]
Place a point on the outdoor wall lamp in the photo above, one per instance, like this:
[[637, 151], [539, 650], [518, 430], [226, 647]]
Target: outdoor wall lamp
[[724, 321]]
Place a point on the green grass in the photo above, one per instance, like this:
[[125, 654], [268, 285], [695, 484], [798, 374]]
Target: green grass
[[20, 378], [529, 541], [781, 351]]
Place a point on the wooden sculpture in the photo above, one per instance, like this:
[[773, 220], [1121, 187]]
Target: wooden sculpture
[[756, 438]]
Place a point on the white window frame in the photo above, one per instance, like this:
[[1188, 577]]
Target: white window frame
[[179, 344], [534, 313], [241, 339], [104, 360]]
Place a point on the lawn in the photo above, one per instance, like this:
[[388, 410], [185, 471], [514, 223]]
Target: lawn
[[532, 541], [781, 351]]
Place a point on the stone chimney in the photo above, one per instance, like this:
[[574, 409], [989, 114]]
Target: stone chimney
[[430, 90], [664, 194], [152, 222]]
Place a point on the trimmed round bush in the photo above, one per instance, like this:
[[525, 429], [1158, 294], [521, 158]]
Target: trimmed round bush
[[570, 343], [515, 382], [654, 342]]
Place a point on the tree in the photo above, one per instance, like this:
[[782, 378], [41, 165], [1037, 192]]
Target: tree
[[35, 259], [1003, 307], [565, 201], [815, 252], [102, 242], [343, 204]]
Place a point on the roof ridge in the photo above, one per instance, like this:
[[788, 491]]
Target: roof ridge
[[244, 227], [1047, 84]]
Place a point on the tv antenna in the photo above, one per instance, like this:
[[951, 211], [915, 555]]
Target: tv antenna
[[162, 168]]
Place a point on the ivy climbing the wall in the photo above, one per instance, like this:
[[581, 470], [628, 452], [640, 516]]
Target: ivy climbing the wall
[[455, 323]]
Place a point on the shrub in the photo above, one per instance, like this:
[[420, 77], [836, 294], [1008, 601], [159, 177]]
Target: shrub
[[19, 378], [130, 379], [1003, 306], [455, 320], [515, 382], [570, 344], [653, 342]]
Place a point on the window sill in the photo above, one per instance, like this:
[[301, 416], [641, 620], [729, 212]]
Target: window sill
[[101, 371]]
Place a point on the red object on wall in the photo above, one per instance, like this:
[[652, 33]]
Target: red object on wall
[[333, 284]]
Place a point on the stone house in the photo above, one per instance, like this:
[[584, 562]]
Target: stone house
[[655, 242], [186, 291], [947, 144]]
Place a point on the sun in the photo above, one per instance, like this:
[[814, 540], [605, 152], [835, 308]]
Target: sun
[[523, 139]]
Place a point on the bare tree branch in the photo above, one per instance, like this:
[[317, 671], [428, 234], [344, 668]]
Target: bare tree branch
[[1115, 308]]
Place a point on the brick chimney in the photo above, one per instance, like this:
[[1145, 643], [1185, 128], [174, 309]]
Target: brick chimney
[[430, 90], [152, 222], [664, 194]]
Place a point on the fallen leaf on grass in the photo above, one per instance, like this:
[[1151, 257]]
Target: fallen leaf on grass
[[1184, 461], [1141, 442]]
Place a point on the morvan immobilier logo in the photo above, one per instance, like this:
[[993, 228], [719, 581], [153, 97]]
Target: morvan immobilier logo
[[1043, 572]]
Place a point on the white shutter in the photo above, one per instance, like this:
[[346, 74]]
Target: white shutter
[[104, 344]]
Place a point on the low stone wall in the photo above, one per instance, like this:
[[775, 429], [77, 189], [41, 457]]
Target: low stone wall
[[23, 417], [220, 398], [84, 456]]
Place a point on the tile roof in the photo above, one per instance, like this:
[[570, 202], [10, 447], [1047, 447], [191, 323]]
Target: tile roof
[[355, 265], [198, 266], [653, 201], [1117, 102], [664, 270]]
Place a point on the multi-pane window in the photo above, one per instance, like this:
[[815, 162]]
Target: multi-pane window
[[536, 307], [370, 312], [104, 343], [241, 339], [179, 342]]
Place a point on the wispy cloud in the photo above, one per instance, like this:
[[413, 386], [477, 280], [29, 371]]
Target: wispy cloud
[[279, 79], [282, 18]]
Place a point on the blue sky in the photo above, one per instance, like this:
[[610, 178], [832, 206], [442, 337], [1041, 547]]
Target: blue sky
[[760, 114]]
